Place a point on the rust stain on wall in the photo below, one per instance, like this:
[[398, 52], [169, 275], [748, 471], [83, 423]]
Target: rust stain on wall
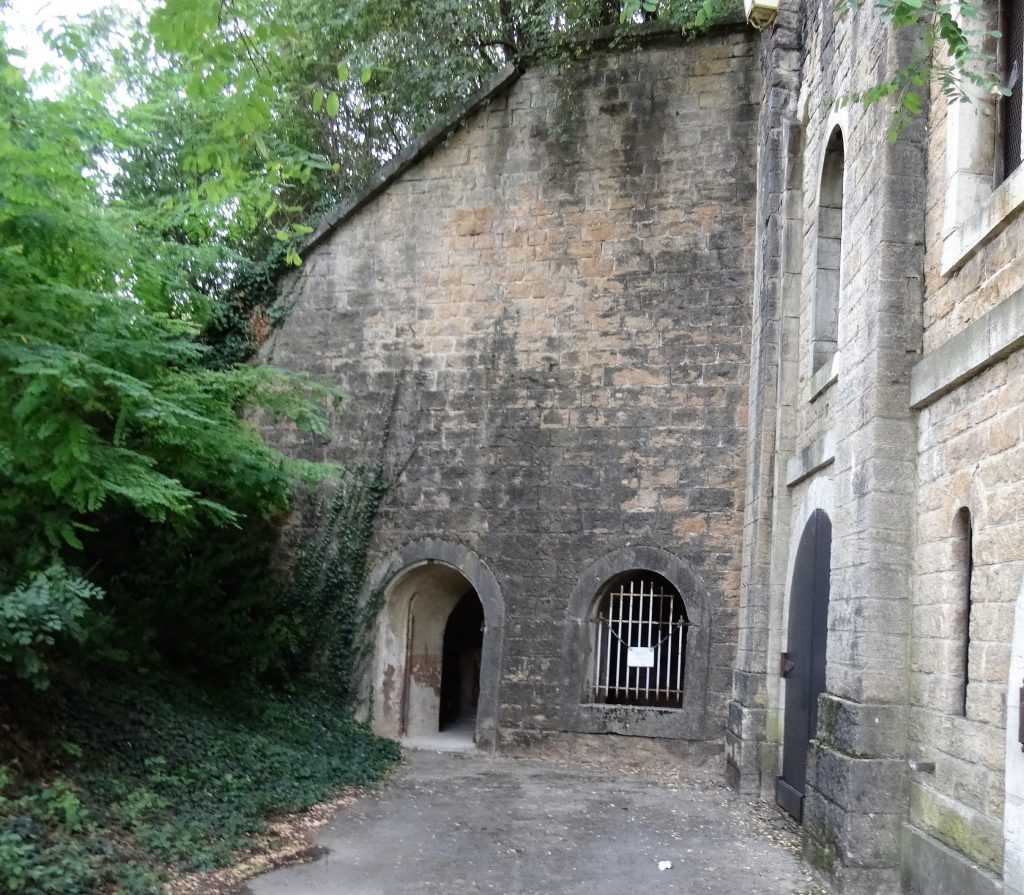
[[425, 670]]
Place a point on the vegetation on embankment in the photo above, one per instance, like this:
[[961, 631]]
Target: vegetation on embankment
[[110, 782]]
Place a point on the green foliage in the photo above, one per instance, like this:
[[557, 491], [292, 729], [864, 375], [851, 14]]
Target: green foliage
[[689, 15], [112, 413], [325, 621], [163, 775], [954, 48], [50, 605], [205, 601], [242, 319]]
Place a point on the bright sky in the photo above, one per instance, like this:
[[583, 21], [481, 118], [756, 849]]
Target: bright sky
[[24, 18]]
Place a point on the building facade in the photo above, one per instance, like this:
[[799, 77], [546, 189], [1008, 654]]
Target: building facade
[[884, 504], [706, 402]]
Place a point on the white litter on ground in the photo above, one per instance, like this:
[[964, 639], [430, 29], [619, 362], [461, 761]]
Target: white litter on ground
[[664, 865]]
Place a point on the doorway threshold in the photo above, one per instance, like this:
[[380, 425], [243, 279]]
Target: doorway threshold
[[457, 737]]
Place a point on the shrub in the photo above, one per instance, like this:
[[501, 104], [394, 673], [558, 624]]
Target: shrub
[[48, 606]]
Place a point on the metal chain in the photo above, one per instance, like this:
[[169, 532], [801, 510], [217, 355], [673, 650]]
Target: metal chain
[[611, 630]]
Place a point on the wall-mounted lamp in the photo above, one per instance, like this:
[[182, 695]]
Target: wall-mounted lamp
[[761, 13]]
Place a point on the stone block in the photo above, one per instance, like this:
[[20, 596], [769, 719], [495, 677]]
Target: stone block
[[836, 838], [929, 867], [873, 730], [858, 784], [967, 830]]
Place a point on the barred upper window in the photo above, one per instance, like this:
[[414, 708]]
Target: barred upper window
[[640, 627]]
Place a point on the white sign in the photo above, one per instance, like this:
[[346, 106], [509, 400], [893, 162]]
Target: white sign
[[640, 657]]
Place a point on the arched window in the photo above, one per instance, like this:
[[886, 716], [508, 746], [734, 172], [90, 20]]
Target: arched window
[[640, 627], [963, 536], [825, 308]]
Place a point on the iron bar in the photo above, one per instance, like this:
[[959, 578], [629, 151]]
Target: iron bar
[[641, 627]]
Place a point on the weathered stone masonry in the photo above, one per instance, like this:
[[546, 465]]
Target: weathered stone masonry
[[592, 309], [560, 296], [916, 423]]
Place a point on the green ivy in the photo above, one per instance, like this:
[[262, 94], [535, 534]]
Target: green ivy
[[952, 49], [328, 612], [163, 776]]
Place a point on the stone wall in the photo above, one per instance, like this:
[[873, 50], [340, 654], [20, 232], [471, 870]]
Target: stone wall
[[854, 805], [920, 416], [750, 764], [974, 228], [969, 388], [846, 446], [971, 455], [553, 308]]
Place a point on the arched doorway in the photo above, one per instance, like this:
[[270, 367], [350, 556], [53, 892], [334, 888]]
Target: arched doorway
[[460, 664], [437, 652], [417, 612], [804, 659]]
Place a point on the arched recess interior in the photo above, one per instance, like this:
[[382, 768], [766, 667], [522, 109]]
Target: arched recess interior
[[422, 583], [963, 556]]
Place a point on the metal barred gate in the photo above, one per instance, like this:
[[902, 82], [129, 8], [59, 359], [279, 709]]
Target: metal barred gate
[[640, 654]]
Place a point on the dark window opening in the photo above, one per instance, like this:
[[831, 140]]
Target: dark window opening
[[640, 642], [1012, 60], [964, 534], [828, 261]]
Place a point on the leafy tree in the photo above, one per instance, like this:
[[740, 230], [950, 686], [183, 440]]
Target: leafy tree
[[108, 404]]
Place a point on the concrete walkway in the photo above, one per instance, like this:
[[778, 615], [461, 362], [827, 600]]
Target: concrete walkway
[[463, 822]]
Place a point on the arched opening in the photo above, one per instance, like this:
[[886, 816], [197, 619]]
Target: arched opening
[[681, 645], [803, 663], [460, 665], [829, 251], [430, 643], [640, 626], [419, 586]]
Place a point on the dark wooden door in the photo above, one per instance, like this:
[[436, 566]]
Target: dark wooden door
[[806, 646]]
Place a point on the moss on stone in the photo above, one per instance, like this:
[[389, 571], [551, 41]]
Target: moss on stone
[[821, 847], [956, 829]]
